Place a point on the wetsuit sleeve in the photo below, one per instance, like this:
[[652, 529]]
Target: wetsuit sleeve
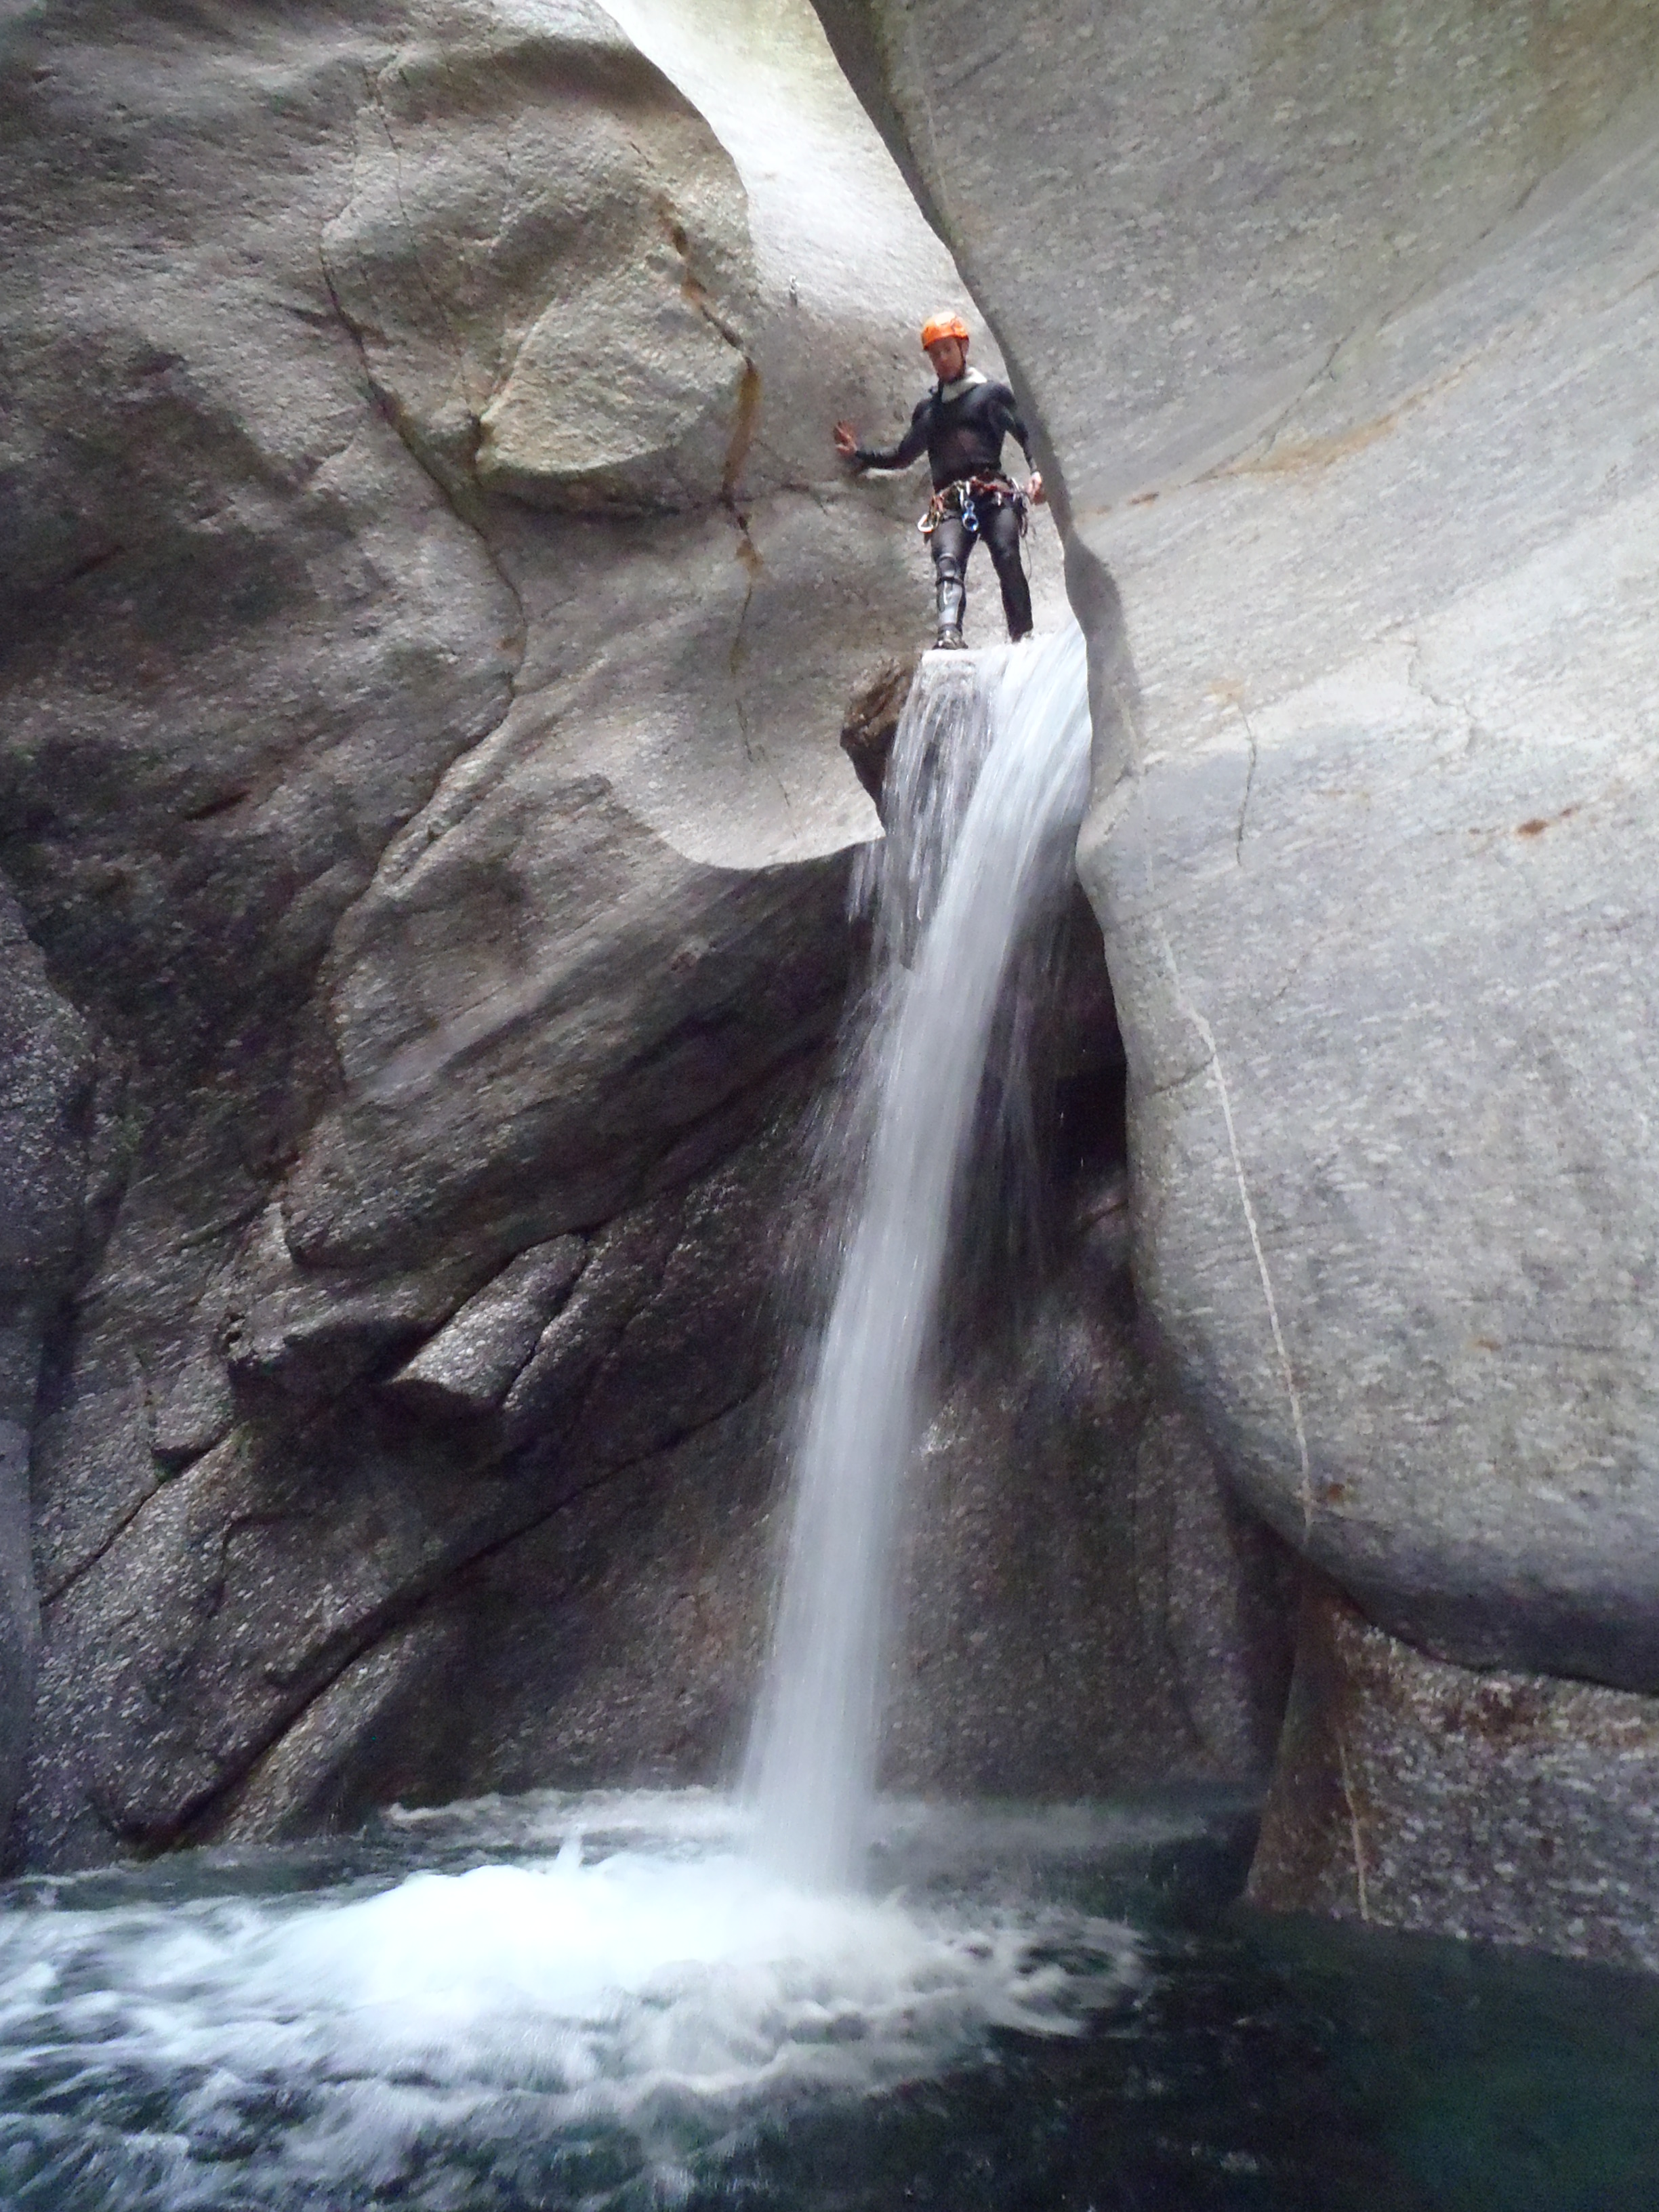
[[910, 447], [1013, 423]]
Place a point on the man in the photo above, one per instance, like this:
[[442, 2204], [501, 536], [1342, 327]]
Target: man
[[961, 425]]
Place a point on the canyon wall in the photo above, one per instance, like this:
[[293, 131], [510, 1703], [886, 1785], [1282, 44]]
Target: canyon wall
[[1339, 325], [430, 605], [440, 884]]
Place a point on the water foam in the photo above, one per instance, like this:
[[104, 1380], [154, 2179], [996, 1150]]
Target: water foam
[[360, 2040]]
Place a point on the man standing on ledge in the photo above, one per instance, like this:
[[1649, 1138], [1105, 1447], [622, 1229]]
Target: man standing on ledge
[[960, 426]]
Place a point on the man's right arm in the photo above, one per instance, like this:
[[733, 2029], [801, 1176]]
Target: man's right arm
[[910, 447]]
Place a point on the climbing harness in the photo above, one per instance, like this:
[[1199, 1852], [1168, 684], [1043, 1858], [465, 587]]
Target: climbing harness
[[962, 499]]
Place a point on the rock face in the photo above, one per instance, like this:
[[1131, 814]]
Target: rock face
[[47, 1084], [1089, 1607], [430, 605], [426, 635], [1339, 328], [1386, 1753]]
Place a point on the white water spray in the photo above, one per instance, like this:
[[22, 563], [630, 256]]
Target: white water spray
[[592, 2015], [965, 880]]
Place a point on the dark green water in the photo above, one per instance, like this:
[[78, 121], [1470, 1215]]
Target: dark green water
[[644, 2021], [1271, 2068]]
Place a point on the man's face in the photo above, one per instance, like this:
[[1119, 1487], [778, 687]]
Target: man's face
[[949, 357]]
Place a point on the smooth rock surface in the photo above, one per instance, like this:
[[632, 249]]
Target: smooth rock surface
[[342, 779], [1400, 911]]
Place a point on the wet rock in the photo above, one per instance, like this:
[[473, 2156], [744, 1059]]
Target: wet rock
[[300, 1575], [469, 1367], [1507, 1808], [370, 1739], [1088, 1606], [46, 1069], [1111, 1618], [619, 1638], [873, 719]]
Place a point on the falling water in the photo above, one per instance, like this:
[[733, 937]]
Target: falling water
[[975, 864]]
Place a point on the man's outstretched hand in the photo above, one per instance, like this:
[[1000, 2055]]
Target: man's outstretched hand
[[1034, 490], [847, 441]]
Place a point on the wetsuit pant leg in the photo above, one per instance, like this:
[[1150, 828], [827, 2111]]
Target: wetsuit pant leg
[[999, 527], [951, 544]]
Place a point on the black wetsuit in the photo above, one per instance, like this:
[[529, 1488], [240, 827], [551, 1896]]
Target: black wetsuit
[[963, 437]]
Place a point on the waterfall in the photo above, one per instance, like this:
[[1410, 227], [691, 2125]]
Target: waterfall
[[984, 794]]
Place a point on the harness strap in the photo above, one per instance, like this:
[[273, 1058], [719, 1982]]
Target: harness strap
[[962, 497]]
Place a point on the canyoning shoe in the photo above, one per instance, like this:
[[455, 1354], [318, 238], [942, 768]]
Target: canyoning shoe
[[949, 641]]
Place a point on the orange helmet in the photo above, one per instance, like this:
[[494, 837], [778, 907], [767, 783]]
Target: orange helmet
[[943, 326]]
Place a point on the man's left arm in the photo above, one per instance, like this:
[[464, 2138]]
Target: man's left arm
[[1013, 423]]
